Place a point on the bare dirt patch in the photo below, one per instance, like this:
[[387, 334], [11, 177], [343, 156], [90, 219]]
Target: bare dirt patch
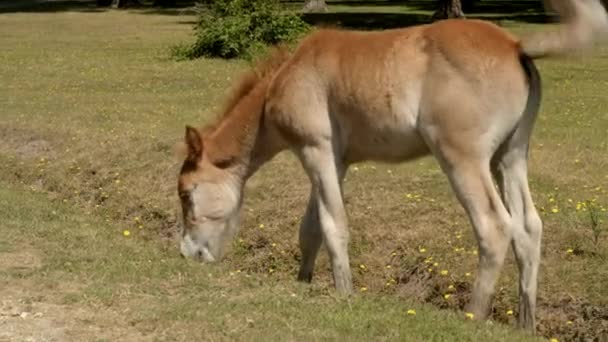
[[24, 144], [25, 319], [22, 259]]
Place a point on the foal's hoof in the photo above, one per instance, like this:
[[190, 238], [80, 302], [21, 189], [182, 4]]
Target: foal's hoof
[[305, 277]]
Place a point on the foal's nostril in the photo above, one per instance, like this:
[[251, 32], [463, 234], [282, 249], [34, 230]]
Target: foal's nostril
[[199, 255]]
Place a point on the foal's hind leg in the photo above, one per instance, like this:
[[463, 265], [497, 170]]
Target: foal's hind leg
[[470, 176], [511, 171], [311, 236]]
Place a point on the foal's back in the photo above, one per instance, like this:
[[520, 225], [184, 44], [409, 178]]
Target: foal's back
[[372, 91]]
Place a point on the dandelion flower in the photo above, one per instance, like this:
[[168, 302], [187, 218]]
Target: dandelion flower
[[509, 312], [468, 274], [388, 267], [422, 250], [447, 296], [411, 312], [451, 287], [362, 267], [363, 289], [555, 210], [569, 251], [126, 232], [569, 323], [469, 315], [261, 226], [553, 340], [436, 264], [444, 272]]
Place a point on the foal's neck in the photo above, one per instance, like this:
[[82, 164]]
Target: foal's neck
[[242, 134]]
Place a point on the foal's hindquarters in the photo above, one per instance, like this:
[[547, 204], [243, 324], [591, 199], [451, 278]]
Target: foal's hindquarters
[[459, 92]]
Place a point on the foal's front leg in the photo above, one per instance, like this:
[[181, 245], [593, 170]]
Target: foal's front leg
[[324, 172], [311, 236]]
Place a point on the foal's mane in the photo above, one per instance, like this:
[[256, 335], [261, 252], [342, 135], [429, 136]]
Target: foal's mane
[[260, 71]]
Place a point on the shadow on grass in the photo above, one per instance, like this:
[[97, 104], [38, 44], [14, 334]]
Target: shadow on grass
[[50, 6], [392, 14], [42, 6]]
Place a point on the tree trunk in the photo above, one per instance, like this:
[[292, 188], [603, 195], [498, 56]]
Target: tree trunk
[[311, 6], [448, 9]]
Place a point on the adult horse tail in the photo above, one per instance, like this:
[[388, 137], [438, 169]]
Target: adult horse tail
[[582, 23]]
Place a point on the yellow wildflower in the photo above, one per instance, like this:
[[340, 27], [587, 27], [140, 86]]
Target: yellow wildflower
[[469, 315], [444, 272], [447, 296], [411, 312], [509, 312], [555, 210], [126, 232], [569, 251], [363, 289], [422, 250], [362, 267]]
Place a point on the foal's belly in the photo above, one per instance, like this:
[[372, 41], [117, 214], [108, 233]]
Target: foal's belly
[[387, 138]]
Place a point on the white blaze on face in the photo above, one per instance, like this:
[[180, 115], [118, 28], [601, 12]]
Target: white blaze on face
[[190, 250], [212, 214]]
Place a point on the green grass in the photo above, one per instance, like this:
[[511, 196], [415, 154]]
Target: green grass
[[90, 114], [84, 264]]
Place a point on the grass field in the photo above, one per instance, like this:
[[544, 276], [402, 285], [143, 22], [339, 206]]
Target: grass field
[[91, 107]]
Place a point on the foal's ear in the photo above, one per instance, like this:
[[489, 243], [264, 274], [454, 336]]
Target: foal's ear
[[194, 143]]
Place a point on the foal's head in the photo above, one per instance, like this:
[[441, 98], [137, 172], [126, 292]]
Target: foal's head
[[211, 180], [210, 195]]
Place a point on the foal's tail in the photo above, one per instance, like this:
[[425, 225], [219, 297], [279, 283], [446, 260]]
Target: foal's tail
[[583, 23]]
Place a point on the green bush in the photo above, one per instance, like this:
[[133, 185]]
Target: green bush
[[237, 28]]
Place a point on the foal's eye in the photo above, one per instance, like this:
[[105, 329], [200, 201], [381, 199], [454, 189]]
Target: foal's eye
[[184, 195]]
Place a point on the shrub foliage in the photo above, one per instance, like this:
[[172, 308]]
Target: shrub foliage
[[237, 28]]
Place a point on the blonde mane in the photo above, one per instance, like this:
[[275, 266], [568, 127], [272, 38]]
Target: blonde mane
[[261, 70]]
